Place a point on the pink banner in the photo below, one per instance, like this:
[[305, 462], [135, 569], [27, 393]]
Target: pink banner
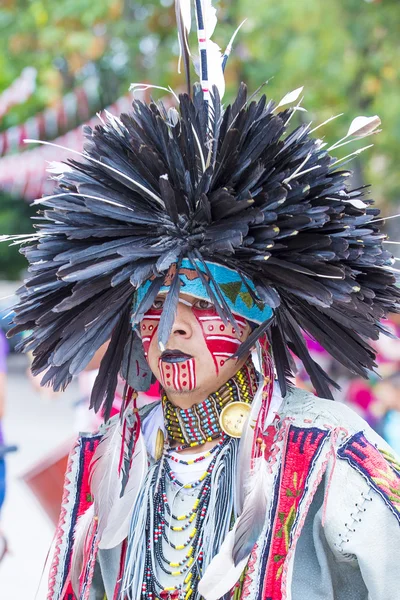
[[25, 174], [74, 108]]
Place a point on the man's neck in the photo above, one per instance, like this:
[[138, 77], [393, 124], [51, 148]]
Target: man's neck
[[188, 399]]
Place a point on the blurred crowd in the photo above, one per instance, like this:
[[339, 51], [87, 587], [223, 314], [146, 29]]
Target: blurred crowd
[[376, 399]]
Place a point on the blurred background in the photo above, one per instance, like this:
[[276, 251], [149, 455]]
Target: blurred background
[[63, 61]]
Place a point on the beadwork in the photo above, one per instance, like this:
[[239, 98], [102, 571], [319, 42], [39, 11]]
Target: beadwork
[[199, 424], [165, 522]]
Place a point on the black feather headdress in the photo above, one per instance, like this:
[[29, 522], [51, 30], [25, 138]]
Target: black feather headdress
[[205, 182]]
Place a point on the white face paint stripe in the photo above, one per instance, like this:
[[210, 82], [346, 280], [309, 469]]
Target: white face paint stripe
[[216, 318], [225, 339], [175, 370], [182, 301], [191, 373], [227, 354], [160, 368], [152, 318], [146, 339], [242, 323]]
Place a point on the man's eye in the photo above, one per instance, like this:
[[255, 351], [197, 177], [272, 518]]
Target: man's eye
[[158, 304], [203, 304]]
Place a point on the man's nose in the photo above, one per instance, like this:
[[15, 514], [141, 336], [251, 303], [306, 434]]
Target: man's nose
[[182, 327]]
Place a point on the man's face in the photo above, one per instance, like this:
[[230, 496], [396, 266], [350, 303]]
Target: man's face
[[198, 351]]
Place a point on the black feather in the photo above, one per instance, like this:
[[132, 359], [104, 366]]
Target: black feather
[[314, 257]]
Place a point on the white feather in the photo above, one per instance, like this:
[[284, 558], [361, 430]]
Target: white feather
[[245, 448], [221, 574], [82, 529], [183, 10], [362, 126], [209, 16], [119, 519], [106, 476], [105, 481], [214, 63], [186, 12], [250, 523], [290, 97]]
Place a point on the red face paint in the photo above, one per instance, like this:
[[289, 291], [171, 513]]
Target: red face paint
[[222, 340], [181, 375], [148, 327]]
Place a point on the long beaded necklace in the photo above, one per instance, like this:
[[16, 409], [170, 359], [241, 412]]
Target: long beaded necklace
[[167, 552], [200, 424], [163, 523]]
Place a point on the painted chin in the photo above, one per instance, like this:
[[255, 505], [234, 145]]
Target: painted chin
[[178, 376]]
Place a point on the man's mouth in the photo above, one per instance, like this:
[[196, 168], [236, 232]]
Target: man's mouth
[[174, 356]]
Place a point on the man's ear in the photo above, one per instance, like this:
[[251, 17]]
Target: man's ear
[[135, 369]]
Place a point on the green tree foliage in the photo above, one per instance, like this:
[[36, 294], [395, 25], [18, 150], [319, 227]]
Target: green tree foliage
[[345, 53]]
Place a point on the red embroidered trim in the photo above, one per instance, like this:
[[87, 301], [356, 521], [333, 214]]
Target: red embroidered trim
[[61, 522], [302, 519], [76, 506], [249, 572], [378, 467], [302, 448]]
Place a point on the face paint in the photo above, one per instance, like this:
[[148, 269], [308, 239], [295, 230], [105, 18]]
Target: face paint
[[148, 327], [178, 375], [222, 340]]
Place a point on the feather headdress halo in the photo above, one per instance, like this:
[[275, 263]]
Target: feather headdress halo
[[270, 205], [235, 186]]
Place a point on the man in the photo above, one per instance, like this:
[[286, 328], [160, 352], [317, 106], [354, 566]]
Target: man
[[199, 241]]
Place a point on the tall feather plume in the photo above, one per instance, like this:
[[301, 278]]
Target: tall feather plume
[[235, 185], [183, 11], [211, 60]]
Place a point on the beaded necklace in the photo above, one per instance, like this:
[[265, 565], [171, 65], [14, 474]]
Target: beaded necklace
[[162, 521], [199, 424]]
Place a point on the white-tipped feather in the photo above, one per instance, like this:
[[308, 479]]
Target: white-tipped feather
[[228, 49], [82, 529], [107, 477], [221, 574], [227, 566], [121, 513], [209, 16], [290, 97], [250, 523], [362, 126], [183, 9], [246, 447], [215, 70]]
